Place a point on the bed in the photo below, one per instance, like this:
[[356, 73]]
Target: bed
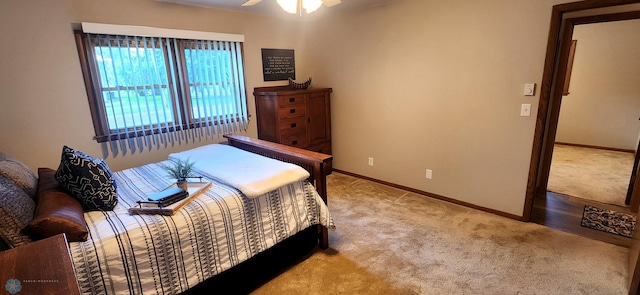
[[222, 240]]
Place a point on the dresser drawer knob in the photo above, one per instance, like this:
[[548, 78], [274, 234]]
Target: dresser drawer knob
[[293, 125], [292, 99], [292, 111], [294, 142]]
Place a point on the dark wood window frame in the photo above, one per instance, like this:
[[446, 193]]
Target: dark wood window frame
[[178, 86]]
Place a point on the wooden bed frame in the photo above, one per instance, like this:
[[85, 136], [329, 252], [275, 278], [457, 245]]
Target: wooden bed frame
[[248, 275], [259, 269], [313, 162]]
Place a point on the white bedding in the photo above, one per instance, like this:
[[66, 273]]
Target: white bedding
[[155, 254], [252, 174]]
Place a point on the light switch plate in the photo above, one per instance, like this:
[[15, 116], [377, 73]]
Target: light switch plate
[[525, 110], [529, 89]]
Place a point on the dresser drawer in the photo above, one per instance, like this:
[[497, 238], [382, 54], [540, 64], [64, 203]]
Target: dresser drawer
[[292, 111], [297, 140], [293, 126], [288, 100]]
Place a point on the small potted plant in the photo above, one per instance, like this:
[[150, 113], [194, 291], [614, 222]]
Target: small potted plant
[[180, 171]]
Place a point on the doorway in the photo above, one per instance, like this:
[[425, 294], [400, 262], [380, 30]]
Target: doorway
[[598, 127], [563, 19], [557, 210], [558, 50]]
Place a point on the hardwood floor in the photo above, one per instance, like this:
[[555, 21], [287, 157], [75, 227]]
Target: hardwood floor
[[564, 213]]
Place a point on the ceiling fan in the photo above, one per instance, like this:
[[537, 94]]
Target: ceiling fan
[[291, 6]]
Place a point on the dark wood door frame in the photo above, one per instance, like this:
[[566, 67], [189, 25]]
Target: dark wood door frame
[[631, 193], [555, 67], [554, 112]]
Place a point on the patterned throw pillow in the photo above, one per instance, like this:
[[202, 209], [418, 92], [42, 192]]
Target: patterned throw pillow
[[19, 174], [88, 179], [16, 211]]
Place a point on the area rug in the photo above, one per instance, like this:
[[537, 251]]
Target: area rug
[[608, 221]]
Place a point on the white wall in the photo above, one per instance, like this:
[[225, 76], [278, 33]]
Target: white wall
[[603, 106], [436, 84], [43, 100], [417, 84]]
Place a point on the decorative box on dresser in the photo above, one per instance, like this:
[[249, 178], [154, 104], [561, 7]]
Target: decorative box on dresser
[[295, 117]]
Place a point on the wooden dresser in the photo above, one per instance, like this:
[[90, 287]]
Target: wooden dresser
[[295, 117]]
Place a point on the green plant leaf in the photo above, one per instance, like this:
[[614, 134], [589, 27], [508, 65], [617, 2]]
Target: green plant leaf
[[180, 170]]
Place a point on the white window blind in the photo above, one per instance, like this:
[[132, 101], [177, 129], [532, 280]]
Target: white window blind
[[147, 91]]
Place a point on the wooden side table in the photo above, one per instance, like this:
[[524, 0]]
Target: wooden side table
[[42, 267]]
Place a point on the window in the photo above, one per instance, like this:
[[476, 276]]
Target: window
[[157, 86]]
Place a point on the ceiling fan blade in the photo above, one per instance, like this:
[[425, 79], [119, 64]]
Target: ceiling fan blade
[[251, 2], [329, 3]]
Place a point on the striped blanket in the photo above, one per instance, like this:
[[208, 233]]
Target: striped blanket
[[155, 254]]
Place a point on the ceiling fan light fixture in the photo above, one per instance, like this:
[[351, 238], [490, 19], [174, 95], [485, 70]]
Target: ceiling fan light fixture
[[290, 6], [329, 3], [311, 5], [251, 2]]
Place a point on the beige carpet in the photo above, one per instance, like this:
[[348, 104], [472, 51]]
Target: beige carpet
[[594, 174], [389, 241]]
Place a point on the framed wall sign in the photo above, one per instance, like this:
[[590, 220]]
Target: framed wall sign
[[278, 64]]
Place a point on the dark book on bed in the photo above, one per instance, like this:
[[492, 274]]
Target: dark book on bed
[[165, 198], [168, 193]]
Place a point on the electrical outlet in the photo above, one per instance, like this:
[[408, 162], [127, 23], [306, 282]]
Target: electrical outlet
[[429, 174], [370, 161]]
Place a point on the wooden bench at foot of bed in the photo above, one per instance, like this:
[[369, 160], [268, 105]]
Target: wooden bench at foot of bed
[[311, 161]]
